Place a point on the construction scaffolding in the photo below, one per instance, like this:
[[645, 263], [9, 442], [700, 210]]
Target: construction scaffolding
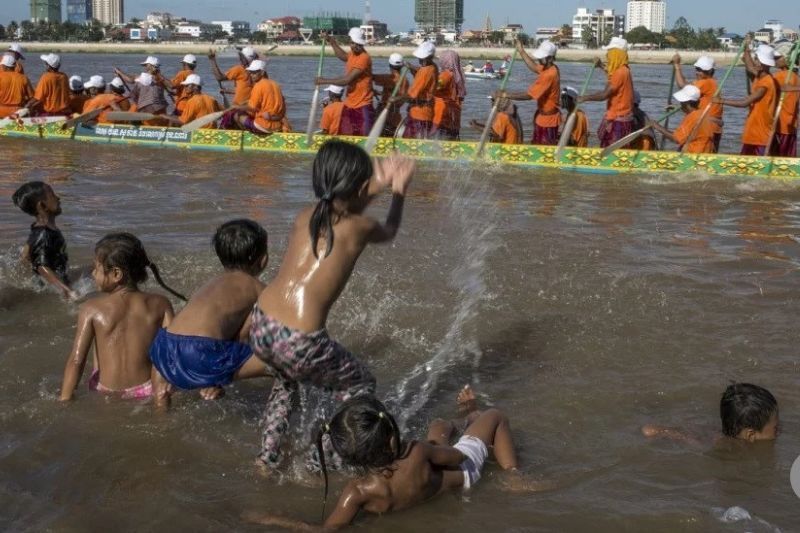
[[434, 16]]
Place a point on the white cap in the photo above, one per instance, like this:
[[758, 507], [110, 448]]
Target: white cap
[[118, 83], [396, 59], [76, 83], [335, 89], [8, 61], [16, 48], [689, 93], [257, 65], [189, 59], [152, 60], [54, 61], [96, 82], [783, 48], [426, 49], [637, 97], [546, 49], [570, 91], [193, 79], [248, 52], [145, 78], [357, 36], [766, 55], [617, 42], [705, 63]]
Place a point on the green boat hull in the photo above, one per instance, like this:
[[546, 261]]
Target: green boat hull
[[574, 159]]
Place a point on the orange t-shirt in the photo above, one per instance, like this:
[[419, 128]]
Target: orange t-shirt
[[394, 117], [580, 134], [446, 104], [101, 101], [703, 142], [77, 101], [546, 90], [620, 104], [331, 117], [241, 79], [199, 105], [15, 90], [787, 120], [53, 92], [758, 125], [359, 93], [422, 90], [505, 131], [707, 88], [180, 97], [267, 98]]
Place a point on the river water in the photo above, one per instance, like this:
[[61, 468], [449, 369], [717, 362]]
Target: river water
[[584, 306]]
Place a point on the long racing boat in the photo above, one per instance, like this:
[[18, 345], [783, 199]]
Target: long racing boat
[[586, 160]]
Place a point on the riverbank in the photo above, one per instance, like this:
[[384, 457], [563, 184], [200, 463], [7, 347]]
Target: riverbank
[[474, 53]]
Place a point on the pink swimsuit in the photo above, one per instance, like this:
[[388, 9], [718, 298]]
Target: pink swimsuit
[[138, 392]]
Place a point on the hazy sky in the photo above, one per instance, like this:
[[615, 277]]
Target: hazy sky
[[737, 15]]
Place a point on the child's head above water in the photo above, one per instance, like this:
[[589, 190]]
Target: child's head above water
[[241, 245], [37, 197], [341, 172], [749, 412], [121, 261]]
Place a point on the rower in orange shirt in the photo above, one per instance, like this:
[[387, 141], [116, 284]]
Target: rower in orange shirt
[[507, 127], [188, 65], [99, 99], [704, 71], [580, 133], [197, 104], [237, 74], [388, 82], [332, 114], [702, 135], [419, 121], [77, 95], [265, 112], [763, 101], [646, 141], [451, 90], [15, 89], [546, 90], [16, 51], [785, 143], [52, 91]]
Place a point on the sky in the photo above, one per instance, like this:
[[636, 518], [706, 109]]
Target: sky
[[737, 16]]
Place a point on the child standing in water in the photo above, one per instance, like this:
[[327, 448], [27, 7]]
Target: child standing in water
[[46, 249], [121, 324], [288, 324]]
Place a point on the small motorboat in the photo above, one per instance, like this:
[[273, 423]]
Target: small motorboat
[[480, 75]]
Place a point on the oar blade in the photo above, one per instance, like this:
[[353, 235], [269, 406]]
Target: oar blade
[[205, 120], [312, 117], [130, 116], [566, 135], [376, 131], [86, 117]]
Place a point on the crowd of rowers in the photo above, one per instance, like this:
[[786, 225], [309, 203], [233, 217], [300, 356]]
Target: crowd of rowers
[[433, 97]]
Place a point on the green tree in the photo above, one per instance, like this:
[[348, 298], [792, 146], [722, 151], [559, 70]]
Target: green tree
[[496, 37], [683, 34], [641, 35], [524, 38], [259, 37], [11, 29], [588, 37]]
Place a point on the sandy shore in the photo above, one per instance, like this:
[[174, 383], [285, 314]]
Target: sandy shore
[[475, 53]]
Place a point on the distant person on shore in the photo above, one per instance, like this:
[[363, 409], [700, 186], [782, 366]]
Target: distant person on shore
[[702, 134], [188, 66], [704, 69], [205, 346], [77, 95], [46, 249], [100, 99], [748, 412], [647, 140], [289, 321], [265, 111], [120, 324], [388, 83], [148, 92], [51, 97], [420, 95], [15, 89], [762, 101], [546, 90], [16, 51], [196, 104], [580, 133], [785, 143], [507, 126], [331, 119], [618, 94], [237, 74], [451, 89], [358, 114]]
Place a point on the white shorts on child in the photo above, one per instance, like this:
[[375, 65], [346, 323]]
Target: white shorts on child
[[476, 453]]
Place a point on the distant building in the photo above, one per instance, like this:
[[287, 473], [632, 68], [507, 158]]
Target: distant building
[[79, 11], [188, 29], [764, 35], [434, 16], [45, 11], [790, 35], [281, 29], [510, 32], [226, 25], [652, 14], [547, 34], [729, 40], [777, 29], [604, 23], [375, 30], [109, 11], [332, 23], [159, 19]]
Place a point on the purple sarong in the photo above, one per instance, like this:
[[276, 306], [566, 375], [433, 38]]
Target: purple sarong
[[357, 121], [417, 129], [610, 132], [545, 136], [752, 149], [785, 145]]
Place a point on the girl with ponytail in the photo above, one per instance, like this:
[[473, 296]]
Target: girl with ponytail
[[121, 323], [288, 323]]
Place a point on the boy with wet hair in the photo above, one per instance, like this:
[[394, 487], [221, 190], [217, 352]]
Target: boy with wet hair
[[749, 413], [205, 346]]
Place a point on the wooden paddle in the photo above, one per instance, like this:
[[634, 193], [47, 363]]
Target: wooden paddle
[[131, 116], [14, 117], [377, 128], [566, 133], [86, 117], [696, 127], [776, 119], [493, 113], [625, 141], [669, 101], [205, 120], [312, 114]]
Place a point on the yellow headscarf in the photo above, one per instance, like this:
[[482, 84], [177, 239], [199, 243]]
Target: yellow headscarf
[[616, 58]]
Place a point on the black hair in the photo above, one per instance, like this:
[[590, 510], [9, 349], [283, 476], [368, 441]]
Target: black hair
[[361, 432], [340, 170], [745, 406], [240, 243], [567, 100], [28, 196], [126, 252]]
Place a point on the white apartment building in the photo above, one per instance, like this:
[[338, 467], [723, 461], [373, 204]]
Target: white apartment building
[[652, 14], [109, 11], [226, 25], [599, 21]]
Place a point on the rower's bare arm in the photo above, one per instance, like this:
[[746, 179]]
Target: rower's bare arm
[[602, 96], [338, 51], [84, 336], [123, 76], [343, 81], [754, 97], [212, 60], [514, 96], [791, 88], [676, 65], [529, 61], [664, 131]]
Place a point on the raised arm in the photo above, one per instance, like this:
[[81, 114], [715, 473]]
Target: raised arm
[[123, 76], [529, 61], [338, 51], [84, 336], [398, 171], [676, 65], [212, 60]]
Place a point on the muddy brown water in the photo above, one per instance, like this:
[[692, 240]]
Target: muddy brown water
[[585, 306]]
